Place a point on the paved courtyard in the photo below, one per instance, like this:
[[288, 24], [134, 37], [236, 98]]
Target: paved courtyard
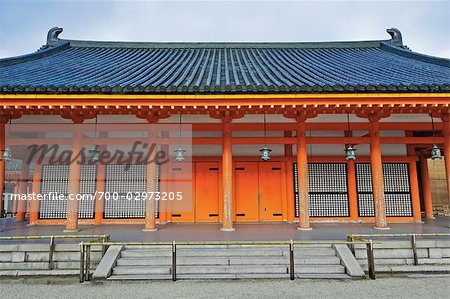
[[388, 287]]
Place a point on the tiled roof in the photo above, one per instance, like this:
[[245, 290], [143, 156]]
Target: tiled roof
[[70, 66]]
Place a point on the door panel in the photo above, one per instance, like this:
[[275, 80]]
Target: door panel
[[181, 180], [246, 192], [207, 192], [270, 202]]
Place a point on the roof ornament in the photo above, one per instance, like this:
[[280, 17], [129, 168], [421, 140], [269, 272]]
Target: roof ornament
[[52, 36], [396, 36]]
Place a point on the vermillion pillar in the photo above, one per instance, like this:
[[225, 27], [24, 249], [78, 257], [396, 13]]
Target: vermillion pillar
[[2, 166], [101, 185], [426, 189], [99, 200], [227, 177], [36, 189], [151, 184], [23, 185], [302, 168], [74, 180], [377, 175], [446, 134]]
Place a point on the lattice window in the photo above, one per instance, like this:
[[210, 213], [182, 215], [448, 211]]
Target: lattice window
[[328, 191], [397, 190], [122, 185], [55, 179]]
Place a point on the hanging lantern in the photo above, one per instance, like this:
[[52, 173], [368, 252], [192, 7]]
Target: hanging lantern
[[179, 154], [265, 153], [94, 154], [6, 154], [350, 153], [435, 152]]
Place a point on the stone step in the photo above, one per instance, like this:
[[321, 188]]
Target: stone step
[[408, 261], [41, 265], [238, 260], [229, 252], [232, 269], [43, 256], [410, 268], [164, 247], [406, 243], [39, 273], [392, 253], [229, 276], [30, 247]]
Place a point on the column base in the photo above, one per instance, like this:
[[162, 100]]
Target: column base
[[71, 230], [31, 224], [232, 229], [382, 228], [149, 229], [304, 228]]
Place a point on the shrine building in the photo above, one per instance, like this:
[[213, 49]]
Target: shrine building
[[297, 132]]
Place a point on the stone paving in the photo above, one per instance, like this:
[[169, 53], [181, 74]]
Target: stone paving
[[244, 232]]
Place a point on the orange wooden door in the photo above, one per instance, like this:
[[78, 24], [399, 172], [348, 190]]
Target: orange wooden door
[[207, 192], [181, 180], [246, 192], [270, 184]]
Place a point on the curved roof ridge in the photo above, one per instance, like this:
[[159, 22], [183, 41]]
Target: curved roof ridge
[[43, 52], [222, 45], [415, 55]]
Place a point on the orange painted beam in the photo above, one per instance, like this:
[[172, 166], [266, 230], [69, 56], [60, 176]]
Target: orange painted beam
[[357, 99], [288, 126], [234, 140]]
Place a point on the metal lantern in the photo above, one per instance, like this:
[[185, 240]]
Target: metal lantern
[[265, 153], [435, 152], [180, 154], [94, 154], [350, 153], [6, 154]]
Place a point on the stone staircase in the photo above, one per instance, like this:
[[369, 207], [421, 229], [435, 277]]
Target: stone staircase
[[396, 256], [33, 259], [227, 261]]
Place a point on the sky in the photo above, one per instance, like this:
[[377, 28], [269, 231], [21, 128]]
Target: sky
[[425, 25]]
